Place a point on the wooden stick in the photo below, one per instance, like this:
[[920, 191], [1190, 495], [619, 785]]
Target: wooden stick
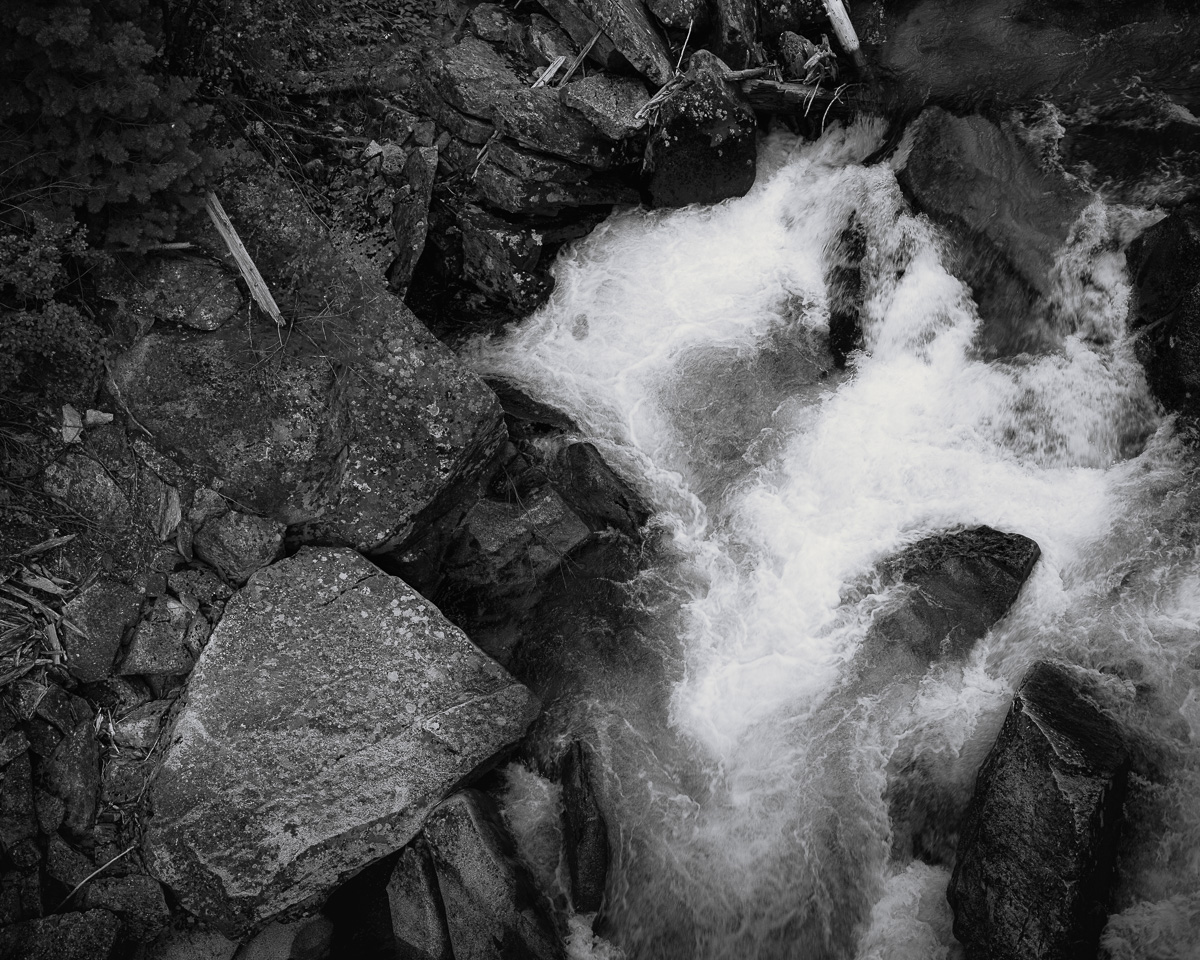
[[579, 59], [254, 280], [843, 29], [549, 72]]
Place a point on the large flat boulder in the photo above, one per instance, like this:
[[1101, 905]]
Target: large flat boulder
[[1038, 847], [354, 426], [331, 710]]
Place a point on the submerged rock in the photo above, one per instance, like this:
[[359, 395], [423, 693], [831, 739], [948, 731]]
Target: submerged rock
[[585, 835], [591, 488], [493, 909], [1038, 847], [331, 710], [845, 282], [703, 147], [1164, 262]]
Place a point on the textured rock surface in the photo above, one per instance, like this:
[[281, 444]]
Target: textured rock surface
[[704, 146], [609, 102], [627, 23], [104, 611], [237, 544], [595, 492], [359, 427], [92, 935], [331, 710], [585, 836], [492, 907], [410, 215], [197, 293], [418, 915], [1035, 861], [166, 642], [1164, 262]]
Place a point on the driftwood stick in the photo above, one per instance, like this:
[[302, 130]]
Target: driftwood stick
[[844, 30], [579, 59], [254, 280], [775, 96]]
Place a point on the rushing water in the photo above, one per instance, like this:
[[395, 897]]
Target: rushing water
[[750, 779]]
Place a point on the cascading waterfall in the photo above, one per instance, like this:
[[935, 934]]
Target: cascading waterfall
[[752, 789]]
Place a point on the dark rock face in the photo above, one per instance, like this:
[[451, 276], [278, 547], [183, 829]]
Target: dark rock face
[[703, 148], [845, 283], [331, 710], [1165, 266], [1035, 861], [592, 490], [103, 612], [410, 215], [493, 909], [628, 24], [959, 585], [418, 916], [92, 935], [1008, 214], [356, 433], [585, 836], [237, 544]]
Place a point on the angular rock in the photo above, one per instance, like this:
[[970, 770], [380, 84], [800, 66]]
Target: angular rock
[[50, 810], [959, 585], [12, 745], [502, 259], [197, 293], [358, 431], [66, 864], [236, 544], [103, 612], [1164, 263], [139, 729], [166, 642], [84, 485], [581, 30], [1009, 214], [704, 146], [492, 907], [593, 491], [628, 26], [585, 836], [465, 127], [125, 780], [506, 191], [804, 17], [138, 900], [609, 102], [20, 898], [680, 14], [73, 774], [472, 77], [91, 935], [418, 916], [298, 940], [539, 167], [494, 23], [844, 281], [17, 819], [190, 943], [331, 710], [410, 215], [202, 586], [1038, 847], [545, 41]]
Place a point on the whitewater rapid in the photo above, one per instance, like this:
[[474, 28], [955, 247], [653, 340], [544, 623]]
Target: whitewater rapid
[[690, 347]]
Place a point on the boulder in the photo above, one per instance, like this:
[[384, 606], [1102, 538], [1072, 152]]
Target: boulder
[[844, 284], [1038, 846], [357, 428], [196, 293], [474, 79], [628, 25], [502, 189], [332, 709], [955, 586], [595, 492], [139, 729], [91, 935], [418, 914], [1008, 214], [137, 900], [585, 836], [236, 544], [704, 145], [410, 215], [72, 774], [581, 30], [102, 612], [1164, 263], [166, 642], [493, 910], [609, 102], [503, 259], [680, 14]]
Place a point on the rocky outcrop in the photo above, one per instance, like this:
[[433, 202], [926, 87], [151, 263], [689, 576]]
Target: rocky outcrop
[[332, 709], [355, 429], [1164, 263], [1009, 215], [954, 587], [702, 148], [1038, 847]]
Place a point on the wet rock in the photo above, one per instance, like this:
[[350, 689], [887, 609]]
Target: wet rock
[[1038, 847], [473, 78], [609, 102], [73, 774], [91, 935], [1009, 214], [418, 915], [137, 900], [503, 259], [505, 190], [595, 492], [680, 14], [197, 293], [492, 907], [958, 586], [102, 612], [585, 836], [357, 432], [844, 281], [166, 642], [17, 819], [237, 544], [628, 25], [704, 146], [410, 215], [1164, 263], [344, 697]]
